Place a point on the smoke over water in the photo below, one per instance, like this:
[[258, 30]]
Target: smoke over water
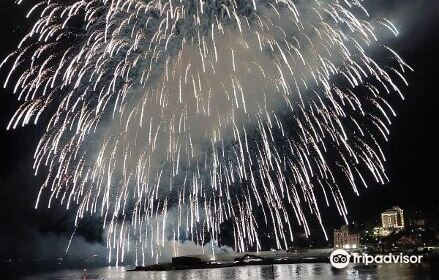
[[169, 118]]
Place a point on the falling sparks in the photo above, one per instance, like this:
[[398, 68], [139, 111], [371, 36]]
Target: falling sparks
[[169, 118]]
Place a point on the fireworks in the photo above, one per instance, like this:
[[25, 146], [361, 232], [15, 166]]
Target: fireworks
[[168, 118]]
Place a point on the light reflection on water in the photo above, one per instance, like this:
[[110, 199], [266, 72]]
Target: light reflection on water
[[280, 272]]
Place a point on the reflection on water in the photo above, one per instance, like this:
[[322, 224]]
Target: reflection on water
[[280, 272]]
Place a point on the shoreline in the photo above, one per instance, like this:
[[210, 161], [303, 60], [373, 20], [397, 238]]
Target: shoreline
[[171, 266], [267, 261]]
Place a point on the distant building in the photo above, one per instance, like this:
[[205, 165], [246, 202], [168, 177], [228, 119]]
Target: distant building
[[392, 219], [418, 219], [344, 239], [419, 222], [379, 231]]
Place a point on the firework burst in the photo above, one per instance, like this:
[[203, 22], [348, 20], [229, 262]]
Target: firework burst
[[168, 118]]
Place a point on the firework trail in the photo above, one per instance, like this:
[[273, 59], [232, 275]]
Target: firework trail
[[168, 118]]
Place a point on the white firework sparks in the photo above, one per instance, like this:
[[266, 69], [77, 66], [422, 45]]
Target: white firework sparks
[[209, 110]]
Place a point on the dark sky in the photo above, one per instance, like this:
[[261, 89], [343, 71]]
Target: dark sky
[[411, 151]]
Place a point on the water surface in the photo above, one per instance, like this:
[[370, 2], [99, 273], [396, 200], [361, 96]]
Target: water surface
[[280, 271]]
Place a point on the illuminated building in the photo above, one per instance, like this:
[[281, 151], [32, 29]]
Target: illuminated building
[[379, 231], [393, 219], [344, 239]]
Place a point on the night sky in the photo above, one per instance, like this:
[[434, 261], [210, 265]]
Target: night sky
[[411, 150]]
